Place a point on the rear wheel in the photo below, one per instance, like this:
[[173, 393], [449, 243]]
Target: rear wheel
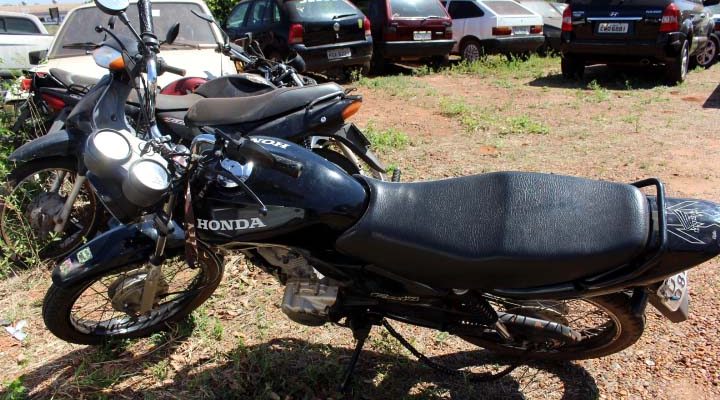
[[599, 326], [107, 307], [32, 122], [676, 70], [572, 67]]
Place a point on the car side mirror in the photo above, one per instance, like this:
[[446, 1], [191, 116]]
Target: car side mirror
[[37, 56], [708, 3]]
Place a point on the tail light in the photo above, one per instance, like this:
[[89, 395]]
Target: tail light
[[448, 31], [26, 84], [567, 20], [501, 31], [536, 29], [390, 32], [670, 21], [351, 109], [53, 102], [366, 26], [296, 34]]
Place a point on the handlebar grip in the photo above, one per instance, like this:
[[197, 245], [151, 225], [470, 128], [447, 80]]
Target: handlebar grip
[[287, 166], [174, 70], [145, 16]]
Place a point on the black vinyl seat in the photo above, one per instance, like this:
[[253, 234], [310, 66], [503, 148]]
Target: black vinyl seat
[[238, 110], [499, 230], [69, 79]]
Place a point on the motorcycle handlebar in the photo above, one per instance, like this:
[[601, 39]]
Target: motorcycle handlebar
[[164, 67], [246, 149], [145, 16]]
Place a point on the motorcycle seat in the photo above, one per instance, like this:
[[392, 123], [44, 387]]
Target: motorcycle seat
[[499, 230], [69, 79], [166, 102], [238, 110]]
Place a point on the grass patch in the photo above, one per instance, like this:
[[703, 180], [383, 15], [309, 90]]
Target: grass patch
[[471, 118], [386, 139], [14, 390], [499, 66], [524, 125], [402, 86]]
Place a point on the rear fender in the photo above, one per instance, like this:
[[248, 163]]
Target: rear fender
[[355, 140], [54, 144], [123, 246]]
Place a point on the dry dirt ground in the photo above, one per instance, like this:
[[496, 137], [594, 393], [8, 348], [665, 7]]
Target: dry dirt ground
[[616, 125]]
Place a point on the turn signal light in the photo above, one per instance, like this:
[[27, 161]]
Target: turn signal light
[[366, 26], [501, 31], [536, 29], [26, 84], [351, 109]]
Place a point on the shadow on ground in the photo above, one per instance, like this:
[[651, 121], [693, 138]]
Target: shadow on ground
[[714, 100], [608, 77], [288, 369]]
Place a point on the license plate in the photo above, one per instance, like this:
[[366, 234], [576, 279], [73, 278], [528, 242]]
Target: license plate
[[613, 27], [521, 30], [422, 35], [673, 291], [338, 53]]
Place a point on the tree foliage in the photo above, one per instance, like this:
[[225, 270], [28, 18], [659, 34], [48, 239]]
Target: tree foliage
[[221, 8]]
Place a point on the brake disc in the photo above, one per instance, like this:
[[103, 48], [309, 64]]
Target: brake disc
[[41, 213]]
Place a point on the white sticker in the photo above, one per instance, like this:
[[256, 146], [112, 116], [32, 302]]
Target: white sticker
[[156, 13]]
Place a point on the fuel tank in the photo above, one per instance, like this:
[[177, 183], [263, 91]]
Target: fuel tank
[[310, 211]]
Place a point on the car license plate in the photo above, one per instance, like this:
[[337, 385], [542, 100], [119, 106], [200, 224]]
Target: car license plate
[[673, 290], [521, 30], [613, 27], [422, 35], [338, 53]]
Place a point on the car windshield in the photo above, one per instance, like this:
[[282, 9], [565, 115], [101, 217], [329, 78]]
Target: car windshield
[[79, 27], [416, 8], [543, 8], [323, 9], [507, 8]]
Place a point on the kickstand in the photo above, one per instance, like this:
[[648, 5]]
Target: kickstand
[[360, 333]]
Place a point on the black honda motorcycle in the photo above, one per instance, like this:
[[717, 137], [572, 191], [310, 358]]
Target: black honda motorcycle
[[524, 264], [48, 200]]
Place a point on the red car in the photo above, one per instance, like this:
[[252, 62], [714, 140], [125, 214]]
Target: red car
[[408, 30]]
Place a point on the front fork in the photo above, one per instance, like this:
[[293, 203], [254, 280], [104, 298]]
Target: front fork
[[154, 269], [61, 220]]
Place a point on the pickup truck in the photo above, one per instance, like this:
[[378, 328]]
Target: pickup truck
[[19, 35]]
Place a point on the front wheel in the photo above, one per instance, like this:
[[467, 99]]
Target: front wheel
[[599, 326], [32, 202], [107, 307]]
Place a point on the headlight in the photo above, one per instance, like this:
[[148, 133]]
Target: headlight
[[147, 181], [105, 152]]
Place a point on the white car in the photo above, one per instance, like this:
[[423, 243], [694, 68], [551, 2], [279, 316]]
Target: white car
[[494, 27], [193, 50], [19, 35]]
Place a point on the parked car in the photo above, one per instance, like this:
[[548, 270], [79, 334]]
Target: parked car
[[667, 32], [494, 27], [408, 30], [330, 35], [551, 14], [193, 50], [709, 55], [19, 35]]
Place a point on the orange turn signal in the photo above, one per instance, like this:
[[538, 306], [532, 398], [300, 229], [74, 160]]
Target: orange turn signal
[[351, 109], [117, 64]]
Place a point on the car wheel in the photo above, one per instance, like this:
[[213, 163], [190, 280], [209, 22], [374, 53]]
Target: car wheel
[[572, 67], [708, 55], [676, 70], [472, 50]]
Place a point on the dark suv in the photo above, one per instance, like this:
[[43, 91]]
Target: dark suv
[[665, 32], [328, 34], [408, 30]]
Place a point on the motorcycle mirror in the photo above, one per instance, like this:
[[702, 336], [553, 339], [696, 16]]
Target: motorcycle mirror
[[172, 33], [111, 22], [298, 63], [112, 7]]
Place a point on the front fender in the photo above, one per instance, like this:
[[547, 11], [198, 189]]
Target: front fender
[[119, 247], [59, 143]]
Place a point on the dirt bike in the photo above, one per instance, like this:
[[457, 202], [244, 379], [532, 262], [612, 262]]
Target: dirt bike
[[528, 265], [49, 203]]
